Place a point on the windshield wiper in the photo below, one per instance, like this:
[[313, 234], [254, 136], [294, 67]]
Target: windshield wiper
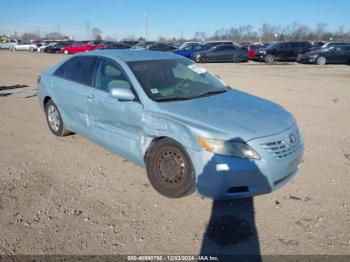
[[210, 93], [179, 98], [175, 98]]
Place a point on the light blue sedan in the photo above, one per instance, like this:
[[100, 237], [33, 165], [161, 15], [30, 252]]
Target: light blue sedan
[[189, 129]]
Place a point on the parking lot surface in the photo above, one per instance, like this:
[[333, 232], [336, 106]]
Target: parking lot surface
[[69, 196]]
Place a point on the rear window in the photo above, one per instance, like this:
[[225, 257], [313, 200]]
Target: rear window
[[77, 69]]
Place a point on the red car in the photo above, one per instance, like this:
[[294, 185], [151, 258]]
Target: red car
[[78, 47], [251, 48]]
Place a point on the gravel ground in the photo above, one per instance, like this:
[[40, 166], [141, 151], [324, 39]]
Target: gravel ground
[[69, 196]]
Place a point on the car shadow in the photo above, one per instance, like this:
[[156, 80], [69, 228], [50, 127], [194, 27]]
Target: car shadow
[[231, 232]]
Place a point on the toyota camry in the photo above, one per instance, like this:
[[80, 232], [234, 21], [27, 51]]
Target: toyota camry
[[190, 130]]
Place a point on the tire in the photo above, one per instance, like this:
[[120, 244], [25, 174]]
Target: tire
[[202, 60], [31, 49], [13, 49], [269, 59], [300, 58], [321, 60], [169, 169], [54, 120], [236, 59], [66, 52]]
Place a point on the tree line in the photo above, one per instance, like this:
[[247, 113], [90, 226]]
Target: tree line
[[244, 33]]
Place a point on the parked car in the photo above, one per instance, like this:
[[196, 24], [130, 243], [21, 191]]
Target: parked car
[[316, 45], [221, 53], [164, 47], [116, 46], [211, 44], [79, 47], [143, 45], [7, 44], [42, 48], [129, 42], [251, 49], [333, 44], [24, 46], [189, 49], [163, 112], [282, 51], [183, 45], [330, 55], [56, 48]]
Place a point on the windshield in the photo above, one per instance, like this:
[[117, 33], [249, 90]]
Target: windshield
[[326, 49], [175, 79], [273, 45]]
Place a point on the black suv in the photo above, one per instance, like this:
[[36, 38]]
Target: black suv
[[282, 51]]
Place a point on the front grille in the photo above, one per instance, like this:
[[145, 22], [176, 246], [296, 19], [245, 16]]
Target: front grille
[[282, 148]]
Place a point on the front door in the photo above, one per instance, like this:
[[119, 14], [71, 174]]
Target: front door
[[116, 124]]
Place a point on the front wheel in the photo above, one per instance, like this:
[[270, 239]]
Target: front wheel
[[54, 120], [321, 60], [236, 59], [169, 169], [300, 58], [269, 59], [66, 52]]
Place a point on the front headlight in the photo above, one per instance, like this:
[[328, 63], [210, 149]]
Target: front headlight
[[228, 148]]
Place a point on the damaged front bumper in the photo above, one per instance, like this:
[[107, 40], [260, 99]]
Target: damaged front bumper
[[224, 177]]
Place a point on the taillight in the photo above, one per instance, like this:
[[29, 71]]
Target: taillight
[[38, 80]]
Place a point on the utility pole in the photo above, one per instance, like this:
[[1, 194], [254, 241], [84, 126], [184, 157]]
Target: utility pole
[[146, 26], [87, 30]]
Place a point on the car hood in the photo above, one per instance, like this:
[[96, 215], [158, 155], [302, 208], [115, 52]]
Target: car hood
[[230, 115], [314, 52]]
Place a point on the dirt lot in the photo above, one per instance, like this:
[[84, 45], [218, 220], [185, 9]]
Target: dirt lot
[[69, 196]]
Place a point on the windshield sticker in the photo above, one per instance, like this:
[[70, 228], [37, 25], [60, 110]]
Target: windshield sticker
[[197, 69], [154, 91]]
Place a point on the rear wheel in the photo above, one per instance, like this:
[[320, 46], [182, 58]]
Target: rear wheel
[[203, 60], [269, 59], [169, 169], [13, 49], [31, 49], [54, 120], [236, 59], [300, 58], [321, 60]]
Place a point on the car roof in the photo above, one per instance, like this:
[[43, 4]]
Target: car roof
[[133, 55]]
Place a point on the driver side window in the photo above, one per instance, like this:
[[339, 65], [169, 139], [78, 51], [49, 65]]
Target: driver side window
[[108, 75]]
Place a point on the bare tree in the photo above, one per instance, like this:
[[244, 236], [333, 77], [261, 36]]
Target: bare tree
[[55, 36], [200, 36], [320, 31], [29, 36]]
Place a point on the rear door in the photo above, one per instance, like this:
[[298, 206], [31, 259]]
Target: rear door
[[69, 87], [116, 123], [220, 53], [339, 55], [284, 51]]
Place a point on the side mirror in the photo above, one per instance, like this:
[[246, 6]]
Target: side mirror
[[121, 90]]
